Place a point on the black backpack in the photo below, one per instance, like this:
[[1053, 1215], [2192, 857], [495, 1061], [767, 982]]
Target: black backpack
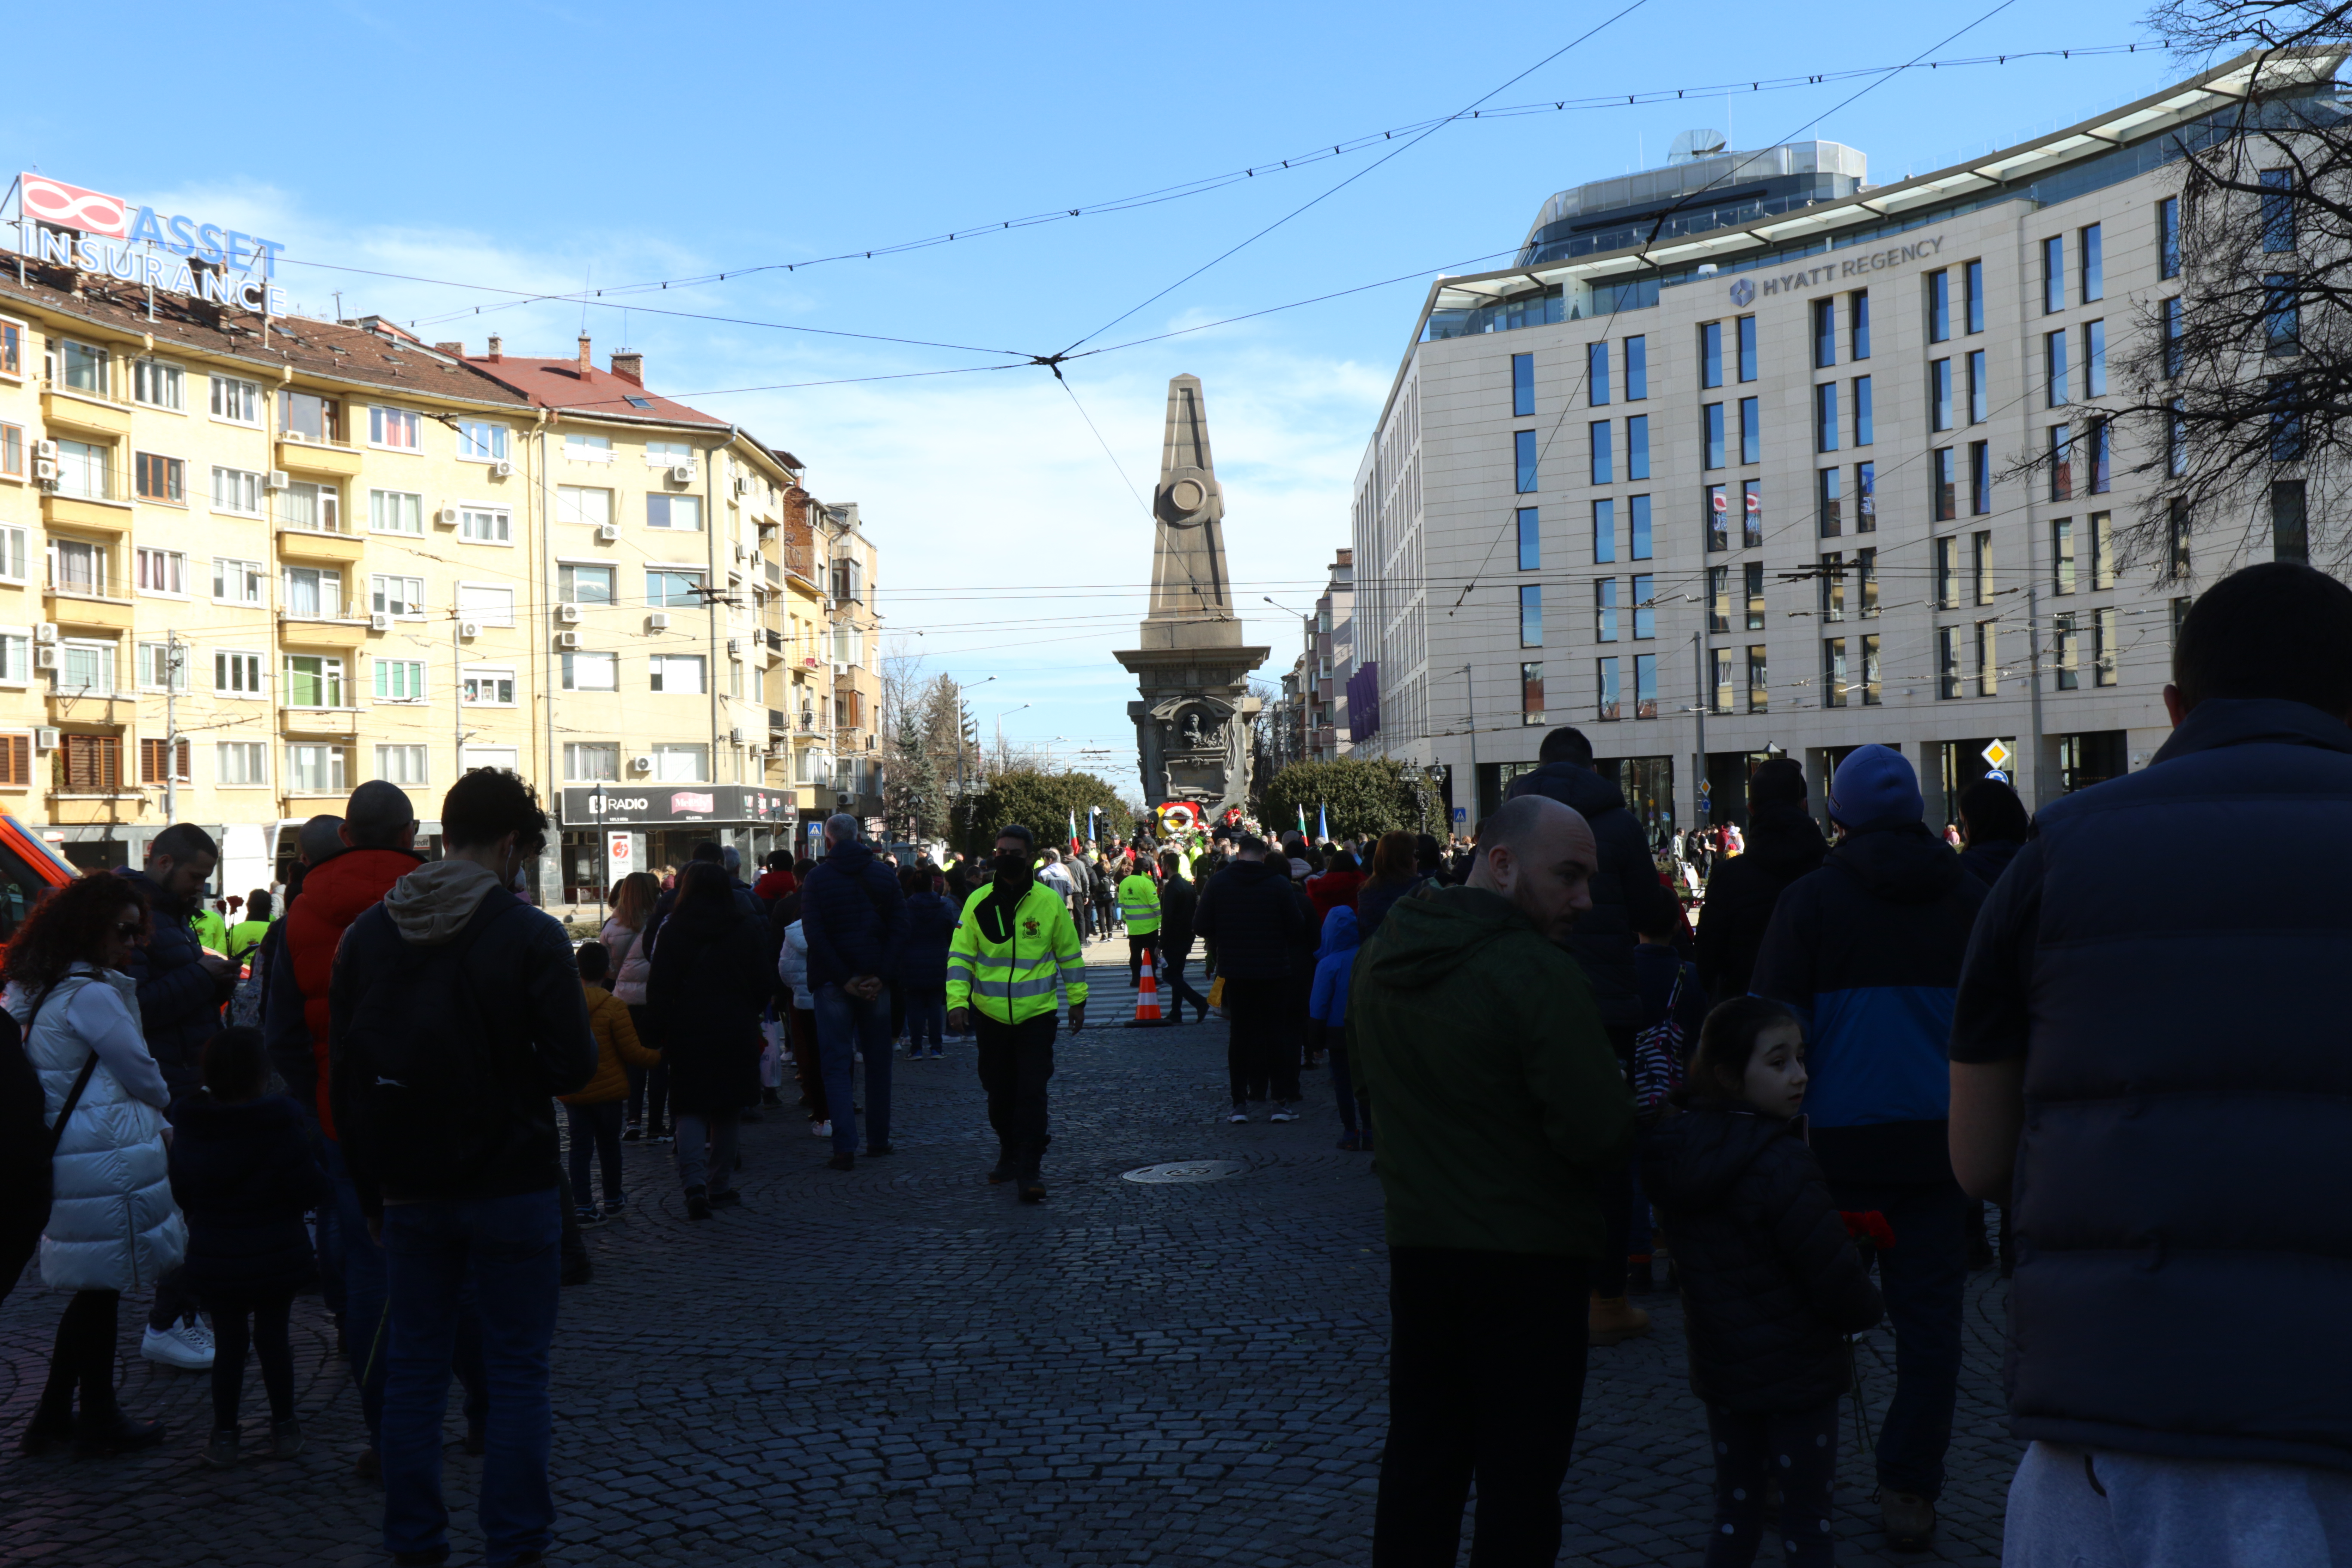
[[423, 1100]]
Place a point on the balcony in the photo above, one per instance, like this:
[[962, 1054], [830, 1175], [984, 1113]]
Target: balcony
[[92, 514], [313, 545], [333, 723], [87, 607], [87, 705], [89, 808], [297, 456], [321, 631], [84, 411]]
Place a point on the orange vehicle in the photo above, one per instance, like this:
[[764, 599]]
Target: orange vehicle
[[29, 869]]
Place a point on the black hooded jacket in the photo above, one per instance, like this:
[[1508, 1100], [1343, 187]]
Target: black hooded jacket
[[1783, 844], [1249, 911], [1770, 1280], [1603, 940], [1987, 861]]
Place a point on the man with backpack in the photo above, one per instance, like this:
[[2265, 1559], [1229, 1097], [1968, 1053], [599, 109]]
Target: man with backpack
[[455, 1014]]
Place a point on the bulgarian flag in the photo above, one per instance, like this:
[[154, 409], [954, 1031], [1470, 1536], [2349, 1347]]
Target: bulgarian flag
[[1073, 828], [1302, 819]]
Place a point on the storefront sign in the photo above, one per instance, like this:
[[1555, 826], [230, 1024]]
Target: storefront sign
[[149, 249], [616, 850], [1830, 272], [655, 804]]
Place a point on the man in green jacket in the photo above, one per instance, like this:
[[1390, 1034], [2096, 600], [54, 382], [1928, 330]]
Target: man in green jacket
[[1501, 1107]]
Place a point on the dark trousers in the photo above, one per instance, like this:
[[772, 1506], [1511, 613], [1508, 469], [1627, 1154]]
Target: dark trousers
[[1796, 1447], [1485, 1377], [596, 1127], [1343, 1083], [1261, 1051], [927, 1015], [1615, 1186], [175, 1300], [808, 1064], [1175, 954], [269, 1314], [1138, 949], [84, 1356], [648, 1087], [1924, 1277], [1015, 1062]]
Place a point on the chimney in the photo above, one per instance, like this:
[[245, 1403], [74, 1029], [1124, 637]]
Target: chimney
[[629, 365], [495, 342], [587, 364], [454, 351]]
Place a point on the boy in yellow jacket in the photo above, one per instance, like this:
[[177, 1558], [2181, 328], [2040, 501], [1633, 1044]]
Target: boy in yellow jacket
[[595, 1112]]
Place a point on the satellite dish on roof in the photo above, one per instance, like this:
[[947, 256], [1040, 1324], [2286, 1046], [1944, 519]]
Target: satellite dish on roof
[[1694, 145]]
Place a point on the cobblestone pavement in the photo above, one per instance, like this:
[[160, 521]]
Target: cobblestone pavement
[[904, 1365]]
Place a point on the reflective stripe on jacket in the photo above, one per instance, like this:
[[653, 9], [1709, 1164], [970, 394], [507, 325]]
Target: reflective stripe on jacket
[[1138, 904], [1013, 980]]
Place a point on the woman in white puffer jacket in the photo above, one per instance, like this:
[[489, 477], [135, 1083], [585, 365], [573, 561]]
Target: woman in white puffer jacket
[[112, 1225]]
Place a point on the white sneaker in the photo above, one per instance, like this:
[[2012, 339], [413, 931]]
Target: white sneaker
[[1284, 1113], [1238, 1115], [821, 1129], [188, 1346]]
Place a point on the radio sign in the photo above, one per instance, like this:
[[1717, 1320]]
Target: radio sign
[[155, 251]]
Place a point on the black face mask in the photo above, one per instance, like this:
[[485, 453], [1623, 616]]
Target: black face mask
[[1014, 868]]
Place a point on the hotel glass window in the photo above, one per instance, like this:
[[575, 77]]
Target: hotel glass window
[[1604, 610], [2067, 651], [1864, 432], [316, 509], [1942, 490], [1973, 286], [1531, 615], [1596, 377], [395, 512], [481, 441], [314, 770], [1832, 577], [2054, 367], [2094, 359], [1825, 333], [1939, 395], [160, 571], [236, 674], [393, 428], [1865, 498], [2061, 555], [1947, 573], [1829, 503], [1981, 565], [592, 673], [400, 764], [1637, 527], [1751, 431], [2278, 209], [1858, 322], [159, 386], [1599, 432], [1523, 385], [2287, 420], [157, 478], [2167, 238], [581, 585], [2098, 444], [1940, 306], [1531, 693], [237, 400], [1523, 459], [1719, 519], [485, 687], [389, 595], [87, 366], [309, 416], [581, 504], [1987, 658], [1865, 584], [1720, 673], [2176, 440], [77, 566], [592, 762], [1752, 579], [2290, 539], [161, 665], [1645, 686], [670, 589], [2103, 549], [486, 524], [582, 448], [1604, 531], [2103, 648], [85, 470], [1749, 366], [1637, 368], [1833, 672], [676, 673], [399, 680], [234, 490], [1645, 611], [2062, 463], [239, 763], [1751, 513], [1948, 661], [2282, 316], [2053, 274], [1637, 446], [1719, 598], [312, 680], [1711, 438], [1825, 417], [1530, 540], [2168, 331], [1980, 390], [1711, 354], [678, 762], [491, 606], [238, 582], [1869, 688], [1605, 670], [2094, 278], [1760, 686], [311, 592]]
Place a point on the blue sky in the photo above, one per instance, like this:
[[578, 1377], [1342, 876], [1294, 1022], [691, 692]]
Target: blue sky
[[542, 147]]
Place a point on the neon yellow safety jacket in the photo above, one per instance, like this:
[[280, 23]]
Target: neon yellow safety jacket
[[1011, 977], [1139, 903]]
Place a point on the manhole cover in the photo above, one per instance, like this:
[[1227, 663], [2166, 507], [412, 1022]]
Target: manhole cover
[[1189, 1171]]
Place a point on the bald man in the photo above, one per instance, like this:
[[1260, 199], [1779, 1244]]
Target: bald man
[[1500, 1108]]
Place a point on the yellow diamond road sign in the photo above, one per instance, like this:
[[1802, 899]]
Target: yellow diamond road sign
[[1997, 756]]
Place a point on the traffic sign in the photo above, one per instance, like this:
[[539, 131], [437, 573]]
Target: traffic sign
[[1997, 776], [1997, 756], [1706, 788], [1461, 814]]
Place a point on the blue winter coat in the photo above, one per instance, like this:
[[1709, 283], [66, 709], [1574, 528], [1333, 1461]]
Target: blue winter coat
[[242, 1175], [1335, 966], [179, 1001], [854, 917], [923, 962]]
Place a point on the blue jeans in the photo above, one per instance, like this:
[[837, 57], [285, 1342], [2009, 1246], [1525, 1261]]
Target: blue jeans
[[510, 1246], [927, 1016], [1924, 1277], [845, 1026], [360, 1262]]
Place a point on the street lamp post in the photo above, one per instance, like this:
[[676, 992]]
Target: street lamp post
[[1000, 728], [975, 686]]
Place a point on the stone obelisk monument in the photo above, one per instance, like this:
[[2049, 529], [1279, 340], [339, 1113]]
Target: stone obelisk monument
[[1192, 724]]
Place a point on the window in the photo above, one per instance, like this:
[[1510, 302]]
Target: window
[[579, 584], [86, 469], [395, 512], [1979, 391], [2061, 555], [2062, 463], [240, 763], [1751, 431], [1645, 686], [1865, 498], [1833, 672], [1864, 435], [1711, 425], [2287, 420], [237, 400], [2103, 549], [2167, 238], [1752, 576], [2066, 652], [234, 490], [236, 674], [12, 450], [1940, 306], [1939, 395], [2175, 440], [159, 386], [2278, 209], [2098, 450], [2290, 540], [669, 454], [592, 762], [1606, 671], [238, 582], [671, 589], [1947, 573], [1531, 694], [1637, 369], [482, 686], [1637, 525], [1605, 531], [393, 427], [160, 571], [162, 667], [1987, 658], [87, 668], [576, 503], [157, 757], [395, 596], [1711, 354], [1829, 507], [316, 509], [1972, 285], [486, 524], [12, 554], [491, 606], [313, 680], [309, 591], [675, 762], [2282, 329], [678, 672], [582, 448], [1720, 673], [401, 764], [1942, 488], [314, 770], [1979, 478], [1981, 565], [2053, 274], [1637, 446], [1948, 661], [1531, 615], [309, 416], [2169, 325], [1749, 366], [93, 764], [1825, 417], [1825, 333], [1832, 577], [1751, 513], [1719, 598], [2103, 648], [1759, 688], [1869, 688], [1599, 432], [155, 478], [592, 673], [1865, 584], [76, 566], [2094, 279], [1596, 378], [480, 441], [12, 349], [1858, 322], [1604, 610], [399, 680], [87, 366], [1645, 612], [2054, 367]]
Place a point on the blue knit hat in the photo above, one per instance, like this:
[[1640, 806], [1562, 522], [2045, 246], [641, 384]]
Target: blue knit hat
[[1875, 785]]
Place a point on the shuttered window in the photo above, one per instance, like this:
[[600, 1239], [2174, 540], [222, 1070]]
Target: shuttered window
[[153, 756], [92, 763], [15, 761]]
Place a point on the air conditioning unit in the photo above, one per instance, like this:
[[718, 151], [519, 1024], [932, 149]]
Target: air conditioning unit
[[46, 632], [567, 640], [294, 435], [447, 517], [46, 449], [743, 485], [278, 479], [568, 614], [735, 737], [657, 622], [734, 644], [681, 473], [741, 554], [45, 471], [44, 738], [641, 764], [608, 533], [45, 657], [501, 469], [379, 622], [469, 629]]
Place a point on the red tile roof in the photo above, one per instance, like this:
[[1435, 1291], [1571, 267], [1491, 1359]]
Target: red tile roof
[[559, 384]]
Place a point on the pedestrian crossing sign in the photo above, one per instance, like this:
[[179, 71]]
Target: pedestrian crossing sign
[[1997, 756]]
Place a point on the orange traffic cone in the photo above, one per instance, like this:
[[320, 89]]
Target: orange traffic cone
[[1146, 999]]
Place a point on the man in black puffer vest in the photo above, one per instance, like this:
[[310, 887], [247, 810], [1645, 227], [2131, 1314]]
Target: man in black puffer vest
[[2148, 1064], [1783, 844]]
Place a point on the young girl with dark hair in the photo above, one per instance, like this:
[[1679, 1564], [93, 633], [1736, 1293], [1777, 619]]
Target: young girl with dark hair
[[1771, 1282]]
